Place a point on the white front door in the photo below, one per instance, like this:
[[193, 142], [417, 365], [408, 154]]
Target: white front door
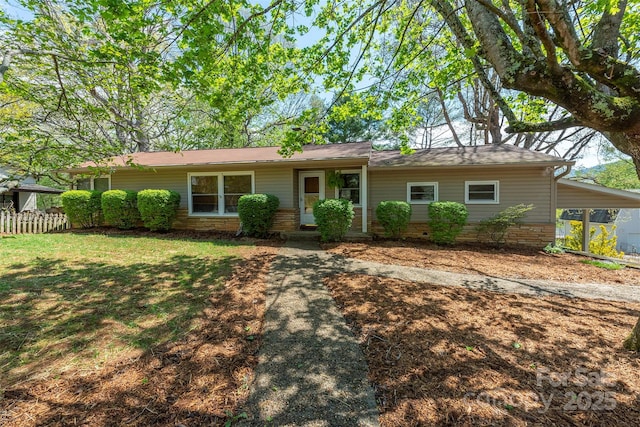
[[311, 190]]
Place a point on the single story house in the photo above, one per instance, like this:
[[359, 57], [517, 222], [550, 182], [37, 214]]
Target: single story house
[[19, 194], [487, 179]]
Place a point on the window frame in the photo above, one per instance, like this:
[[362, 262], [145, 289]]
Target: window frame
[[352, 172], [496, 192], [92, 181], [425, 184], [221, 194]]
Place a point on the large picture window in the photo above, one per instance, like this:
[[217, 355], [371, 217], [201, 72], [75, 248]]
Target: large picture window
[[422, 192], [481, 192], [218, 193]]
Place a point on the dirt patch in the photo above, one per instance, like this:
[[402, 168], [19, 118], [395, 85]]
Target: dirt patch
[[199, 380], [509, 262], [453, 356]]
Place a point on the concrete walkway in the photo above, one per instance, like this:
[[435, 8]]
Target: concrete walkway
[[311, 371]]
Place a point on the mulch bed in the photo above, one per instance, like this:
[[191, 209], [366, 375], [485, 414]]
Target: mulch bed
[[196, 381], [508, 262], [454, 356]]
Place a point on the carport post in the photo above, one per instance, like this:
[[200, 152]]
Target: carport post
[[586, 213]]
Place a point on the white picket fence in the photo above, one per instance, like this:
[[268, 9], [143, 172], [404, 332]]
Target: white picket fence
[[31, 222]]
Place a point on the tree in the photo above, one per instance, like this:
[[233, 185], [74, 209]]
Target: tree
[[349, 121], [619, 174]]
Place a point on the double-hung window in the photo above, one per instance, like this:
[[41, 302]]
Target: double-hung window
[[481, 192], [102, 183], [422, 193], [350, 189], [213, 194]]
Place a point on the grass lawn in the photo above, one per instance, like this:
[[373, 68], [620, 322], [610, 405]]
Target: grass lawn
[[97, 326]]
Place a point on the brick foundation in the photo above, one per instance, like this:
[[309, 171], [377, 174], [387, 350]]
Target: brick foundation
[[285, 220], [535, 235]]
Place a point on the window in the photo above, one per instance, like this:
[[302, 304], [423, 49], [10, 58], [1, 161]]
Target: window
[[479, 192], [422, 192], [350, 189], [218, 193], [102, 183]]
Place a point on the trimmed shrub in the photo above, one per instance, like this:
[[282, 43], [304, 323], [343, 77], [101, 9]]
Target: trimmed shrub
[[82, 207], [158, 208], [120, 208], [334, 218], [394, 216], [495, 229], [446, 220], [257, 212]]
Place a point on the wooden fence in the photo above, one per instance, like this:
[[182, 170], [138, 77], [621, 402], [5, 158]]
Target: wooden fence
[[31, 222]]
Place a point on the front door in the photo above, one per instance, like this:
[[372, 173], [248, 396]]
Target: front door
[[311, 190]]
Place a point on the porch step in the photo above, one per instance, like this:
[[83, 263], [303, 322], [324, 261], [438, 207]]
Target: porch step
[[299, 235]]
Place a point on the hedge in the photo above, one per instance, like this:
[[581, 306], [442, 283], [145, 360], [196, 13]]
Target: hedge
[[394, 216], [446, 220], [333, 218], [158, 208], [256, 212], [82, 207], [120, 209]]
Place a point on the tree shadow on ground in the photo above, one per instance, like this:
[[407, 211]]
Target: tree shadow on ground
[[454, 356], [180, 328]]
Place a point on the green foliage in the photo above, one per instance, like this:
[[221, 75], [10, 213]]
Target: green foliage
[[158, 208], [495, 229], [553, 249], [446, 221], [82, 207], [603, 244], [607, 265], [621, 174], [394, 216], [120, 208], [257, 212], [334, 218]]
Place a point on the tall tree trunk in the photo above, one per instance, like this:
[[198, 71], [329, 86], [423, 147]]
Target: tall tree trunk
[[633, 340]]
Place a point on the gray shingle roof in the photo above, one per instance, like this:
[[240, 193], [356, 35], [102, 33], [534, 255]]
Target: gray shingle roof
[[463, 156]]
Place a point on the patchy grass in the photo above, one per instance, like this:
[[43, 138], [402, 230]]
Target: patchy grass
[[125, 322], [455, 356], [607, 265]]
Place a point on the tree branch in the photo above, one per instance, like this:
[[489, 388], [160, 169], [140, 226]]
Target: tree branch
[[565, 123]]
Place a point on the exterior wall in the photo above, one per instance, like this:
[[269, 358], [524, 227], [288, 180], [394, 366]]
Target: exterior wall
[[628, 230], [578, 198], [530, 234], [516, 185], [276, 181]]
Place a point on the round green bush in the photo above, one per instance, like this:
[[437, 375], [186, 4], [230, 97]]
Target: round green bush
[[333, 218], [394, 216], [158, 208], [257, 211], [82, 207], [446, 221], [120, 208]]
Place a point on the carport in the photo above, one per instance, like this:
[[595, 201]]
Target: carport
[[580, 195]]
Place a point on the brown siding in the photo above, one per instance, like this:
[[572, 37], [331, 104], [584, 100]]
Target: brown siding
[[523, 185], [575, 198], [276, 181]]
